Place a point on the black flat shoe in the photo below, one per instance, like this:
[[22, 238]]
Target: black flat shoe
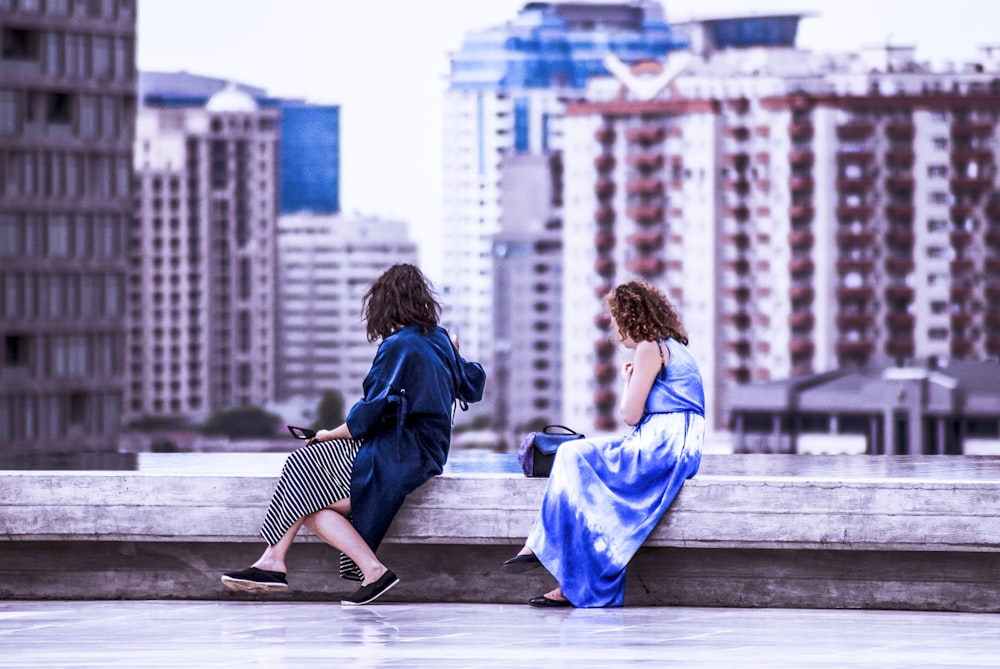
[[521, 563], [545, 602], [369, 593], [255, 580]]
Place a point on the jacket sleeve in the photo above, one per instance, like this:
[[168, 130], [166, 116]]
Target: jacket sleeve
[[472, 380], [381, 398]]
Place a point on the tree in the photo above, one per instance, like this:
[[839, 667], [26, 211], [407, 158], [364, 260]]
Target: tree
[[330, 412], [243, 423]]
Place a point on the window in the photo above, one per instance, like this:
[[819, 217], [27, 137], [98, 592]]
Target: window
[[20, 44], [16, 351], [937, 334], [936, 252], [60, 108], [8, 112], [937, 171], [941, 143]]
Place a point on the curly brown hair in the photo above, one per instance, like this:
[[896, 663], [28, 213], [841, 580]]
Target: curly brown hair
[[643, 313], [401, 296]]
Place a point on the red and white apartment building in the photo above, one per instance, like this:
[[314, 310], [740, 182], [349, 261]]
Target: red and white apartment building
[[804, 211]]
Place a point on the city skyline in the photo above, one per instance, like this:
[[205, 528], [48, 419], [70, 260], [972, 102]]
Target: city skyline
[[404, 63]]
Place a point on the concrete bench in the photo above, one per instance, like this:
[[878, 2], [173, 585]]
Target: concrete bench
[[800, 531]]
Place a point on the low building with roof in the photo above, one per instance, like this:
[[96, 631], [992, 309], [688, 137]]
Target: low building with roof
[[951, 408]]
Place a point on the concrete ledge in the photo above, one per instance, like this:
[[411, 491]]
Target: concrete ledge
[[751, 538]]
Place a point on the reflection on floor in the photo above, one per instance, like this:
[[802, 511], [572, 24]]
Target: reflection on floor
[[211, 634]]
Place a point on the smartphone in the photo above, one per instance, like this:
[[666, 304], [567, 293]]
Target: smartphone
[[301, 432]]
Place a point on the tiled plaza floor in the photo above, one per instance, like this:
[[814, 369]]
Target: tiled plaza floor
[[195, 635]]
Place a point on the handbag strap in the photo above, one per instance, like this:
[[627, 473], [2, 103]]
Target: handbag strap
[[561, 427], [663, 363]]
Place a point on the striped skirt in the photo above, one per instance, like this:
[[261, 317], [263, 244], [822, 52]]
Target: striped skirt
[[313, 478]]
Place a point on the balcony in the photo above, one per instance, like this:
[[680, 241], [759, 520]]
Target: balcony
[[739, 374], [738, 161], [992, 292], [855, 183], [646, 214], [855, 349], [800, 213], [859, 265], [645, 187], [993, 210], [604, 163], [855, 157], [900, 321], [993, 345], [602, 321], [800, 131], [970, 185], [739, 186], [900, 184], [962, 266], [740, 133], [962, 156], [802, 293], [960, 213], [605, 373], [902, 212], [899, 293], [801, 239], [968, 129], [855, 293], [855, 321], [850, 238], [802, 321], [646, 267], [740, 347], [853, 131], [991, 265], [900, 158], [604, 267], [900, 131], [801, 348], [992, 237], [740, 213], [900, 349], [961, 238], [646, 162], [645, 136], [646, 241], [740, 240], [900, 265], [604, 241], [604, 348], [961, 348], [801, 158], [900, 238], [739, 105], [801, 184], [601, 290], [960, 293], [854, 212], [605, 135], [992, 320], [605, 399], [961, 319], [799, 267], [741, 320], [740, 266], [604, 215], [604, 189]]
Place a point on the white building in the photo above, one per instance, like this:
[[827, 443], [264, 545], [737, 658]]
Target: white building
[[326, 264], [201, 286]]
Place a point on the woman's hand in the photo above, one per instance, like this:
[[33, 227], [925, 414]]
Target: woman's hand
[[339, 432], [453, 338]]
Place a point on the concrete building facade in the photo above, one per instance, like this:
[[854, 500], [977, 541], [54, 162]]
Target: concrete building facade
[[326, 264], [67, 110], [804, 211], [202, 278]]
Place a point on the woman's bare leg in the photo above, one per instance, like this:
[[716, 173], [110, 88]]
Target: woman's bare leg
[[332, 526], [273, 558]]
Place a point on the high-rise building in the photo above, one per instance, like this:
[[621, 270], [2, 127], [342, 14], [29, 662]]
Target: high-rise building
[[309, 160], [507, 93], [805, 211], [202, 282], [67, 108], [325, 265]]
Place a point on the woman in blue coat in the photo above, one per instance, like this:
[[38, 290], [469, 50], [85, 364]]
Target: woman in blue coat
[[605, 495], [347, 483]]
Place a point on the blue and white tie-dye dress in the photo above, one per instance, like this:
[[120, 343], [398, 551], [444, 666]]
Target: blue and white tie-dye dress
[[606, 495]]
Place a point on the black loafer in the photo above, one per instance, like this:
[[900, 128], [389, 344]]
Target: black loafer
[[521, 563], [545, 602], [255, 580], [371, 592]]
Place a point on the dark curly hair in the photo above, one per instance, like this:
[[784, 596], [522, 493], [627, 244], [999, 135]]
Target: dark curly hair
[[401, 296], [643, 313]]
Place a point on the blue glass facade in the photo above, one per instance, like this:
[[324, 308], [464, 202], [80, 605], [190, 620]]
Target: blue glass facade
[[754, 31], [562, 45], [309, 160]]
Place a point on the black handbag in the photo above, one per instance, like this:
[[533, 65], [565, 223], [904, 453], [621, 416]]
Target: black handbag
[[538, 449]]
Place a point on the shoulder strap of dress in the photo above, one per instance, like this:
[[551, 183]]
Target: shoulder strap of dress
[[659, 346]]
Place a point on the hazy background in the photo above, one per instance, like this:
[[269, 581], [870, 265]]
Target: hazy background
[[386, 62]]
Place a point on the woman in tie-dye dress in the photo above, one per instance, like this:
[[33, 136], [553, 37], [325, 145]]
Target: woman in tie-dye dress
[[606, 495]]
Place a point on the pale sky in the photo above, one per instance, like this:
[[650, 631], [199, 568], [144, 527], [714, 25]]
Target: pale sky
[[385, 62]]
